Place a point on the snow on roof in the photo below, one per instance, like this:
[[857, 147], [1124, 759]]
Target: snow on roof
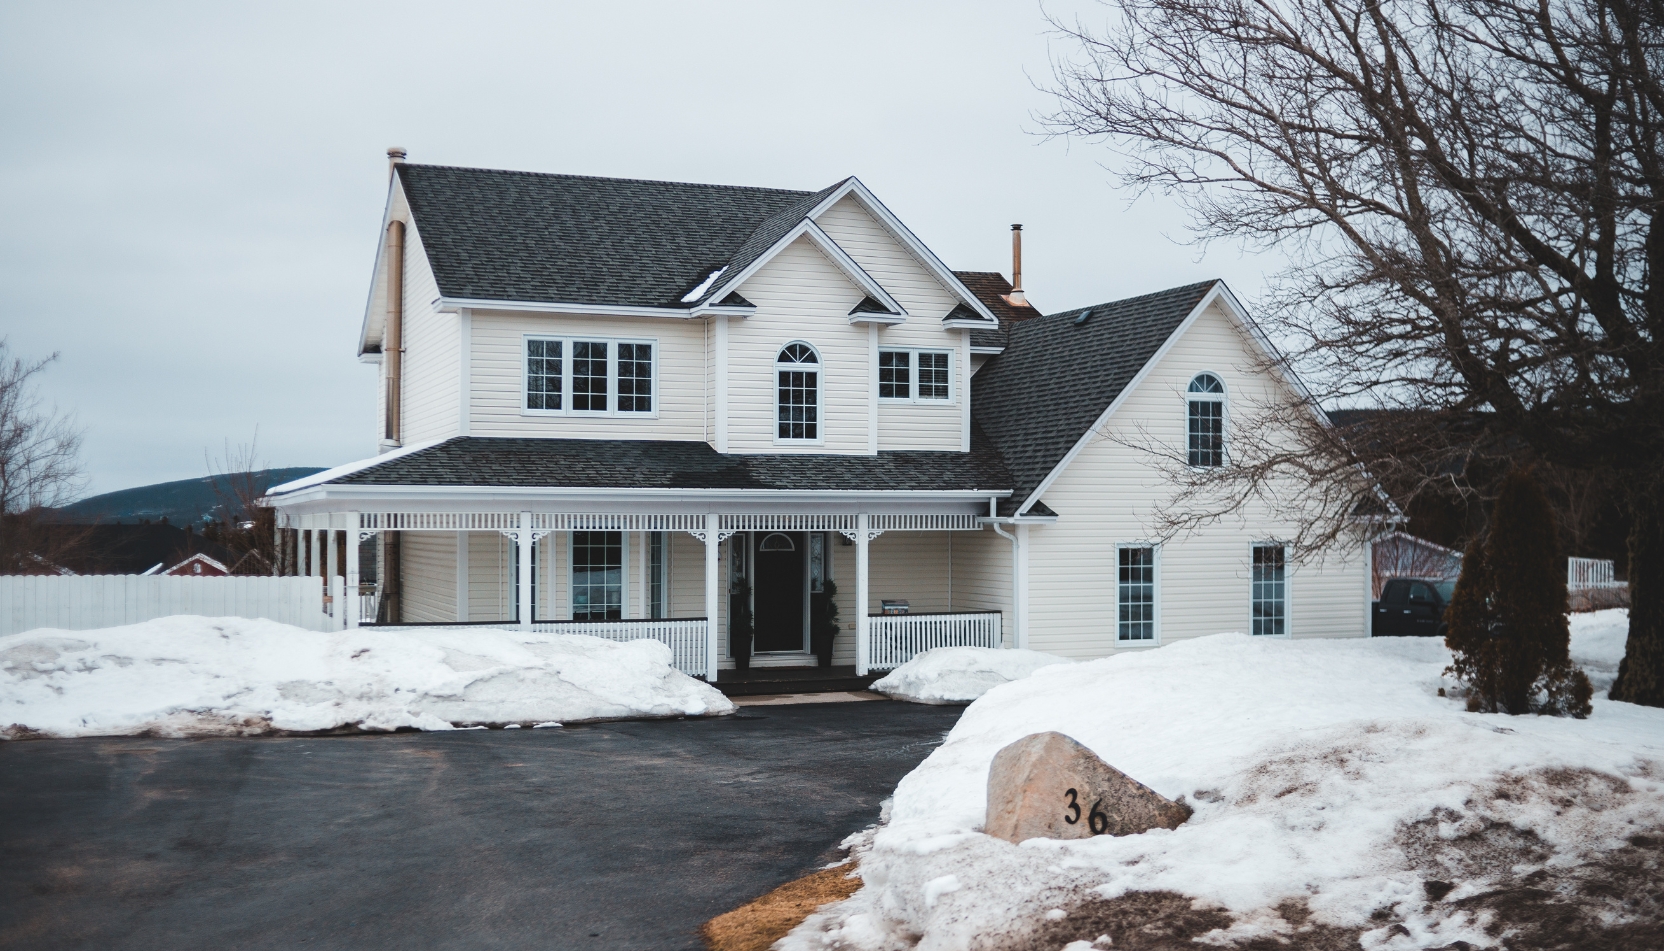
[[318, 478]]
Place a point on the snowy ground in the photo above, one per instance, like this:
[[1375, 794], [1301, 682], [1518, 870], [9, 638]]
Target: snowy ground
[[960, 674], [1340, 800], [184, 676]]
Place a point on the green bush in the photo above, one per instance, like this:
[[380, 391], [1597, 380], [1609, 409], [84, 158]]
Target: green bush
[[1506, 624]]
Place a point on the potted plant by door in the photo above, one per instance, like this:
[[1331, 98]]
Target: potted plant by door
[[739, 624], [823, 621]]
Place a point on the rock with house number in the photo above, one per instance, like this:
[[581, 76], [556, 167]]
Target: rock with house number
[[1046, 785]]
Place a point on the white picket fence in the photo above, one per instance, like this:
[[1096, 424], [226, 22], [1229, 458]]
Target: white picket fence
[[1590, 573], [85, 602], [684, 636], [898, 638]]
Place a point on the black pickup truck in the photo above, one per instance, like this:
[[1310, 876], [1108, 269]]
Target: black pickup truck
[[1410, 607]]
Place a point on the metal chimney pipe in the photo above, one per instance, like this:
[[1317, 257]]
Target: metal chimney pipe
[[1016, 296], [395, 158], [392, 338]]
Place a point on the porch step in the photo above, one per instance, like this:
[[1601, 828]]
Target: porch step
[[769, 680]]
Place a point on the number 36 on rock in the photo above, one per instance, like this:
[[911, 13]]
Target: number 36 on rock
[[1046, 785]]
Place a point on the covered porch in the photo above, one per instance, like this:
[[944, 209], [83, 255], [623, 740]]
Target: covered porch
[[898, 582]]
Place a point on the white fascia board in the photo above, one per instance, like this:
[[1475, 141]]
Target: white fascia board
[[449, 305], [373, 357], [883, 320], [468, 498], [962, 324], [988, 351], [933, 264], [1121, 397], [712, 310], [1017, 520], [381, 260]]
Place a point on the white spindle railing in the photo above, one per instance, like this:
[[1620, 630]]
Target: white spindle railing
[[1590, 573], [684, 636], [898, 638]]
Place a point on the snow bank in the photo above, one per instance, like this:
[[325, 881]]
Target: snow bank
[[1598, 639], [1329, 780], [183, 676], [961, 674]]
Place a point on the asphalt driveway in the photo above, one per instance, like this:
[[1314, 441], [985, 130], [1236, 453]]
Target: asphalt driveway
[[608, 836]]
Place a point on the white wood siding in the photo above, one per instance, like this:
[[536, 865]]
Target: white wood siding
[[800, 295], [982, 576], [1203, 583], [926, 424], [432, 353], [427, 562], [497, 371]]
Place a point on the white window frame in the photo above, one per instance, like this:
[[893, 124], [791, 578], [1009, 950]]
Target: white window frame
[[1155, 594], [1288, 589], [623, 576], [820, 396], [566, 340], [913, 396], [1224, 401]]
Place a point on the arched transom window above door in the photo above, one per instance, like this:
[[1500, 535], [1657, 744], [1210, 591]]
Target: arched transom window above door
[[776, 541]]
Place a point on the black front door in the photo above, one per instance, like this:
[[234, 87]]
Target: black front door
[[777, 590]]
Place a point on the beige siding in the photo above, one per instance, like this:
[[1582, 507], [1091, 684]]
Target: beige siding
[[800, 295], [490, 592], [904, 425], [428, 567], [982, 575], [1203, 584], [498, 367], [432, 351]]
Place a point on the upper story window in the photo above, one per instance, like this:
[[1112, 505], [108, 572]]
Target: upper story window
[[1205, 421], [572, 375], [798, 394], [898, 381]]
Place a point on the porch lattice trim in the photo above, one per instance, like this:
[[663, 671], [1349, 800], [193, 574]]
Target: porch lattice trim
[[619, 522]]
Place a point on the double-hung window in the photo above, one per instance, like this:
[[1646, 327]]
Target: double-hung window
[[797, 398], [1135, 594], [1268, 591], [933, 379], [572, 375], [597, 576]]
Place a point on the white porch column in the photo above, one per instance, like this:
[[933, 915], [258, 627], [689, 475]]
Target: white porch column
[[523, 538], [713, 567], [863, 627], [1019, 583], [352, 604]]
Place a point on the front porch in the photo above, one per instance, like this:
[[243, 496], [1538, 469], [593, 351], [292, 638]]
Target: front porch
[[686, 580]]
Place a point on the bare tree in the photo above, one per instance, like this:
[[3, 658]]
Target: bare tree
[[243, 524], [40, 467], [1472, 197]]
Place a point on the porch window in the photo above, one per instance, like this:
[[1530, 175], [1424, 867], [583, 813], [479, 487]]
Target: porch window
[[817, 562], [658, 574], [1269, 591], [514, 580], [597, 576], [543, 374], [589, 376], [1136, 594], [798, 400], [1205, 421], [896, 380], [895, 374]]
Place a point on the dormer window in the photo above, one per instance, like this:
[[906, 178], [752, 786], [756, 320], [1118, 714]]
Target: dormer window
[[1205, 421], [797, 401], [572, 376]]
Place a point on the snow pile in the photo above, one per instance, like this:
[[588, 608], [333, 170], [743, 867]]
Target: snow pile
[[1598, 639], [1336, 793], [961, 674], [182, 676]]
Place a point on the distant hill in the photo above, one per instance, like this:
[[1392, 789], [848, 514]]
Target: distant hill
[[186, 502]]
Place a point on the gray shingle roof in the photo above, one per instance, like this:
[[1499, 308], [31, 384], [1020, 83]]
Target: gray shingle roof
[[677, 464], [524, 236], [990, 287], [1059, 373]]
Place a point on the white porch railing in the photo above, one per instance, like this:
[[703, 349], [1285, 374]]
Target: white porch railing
[[1590, 573], [898, 638], [684, 636]]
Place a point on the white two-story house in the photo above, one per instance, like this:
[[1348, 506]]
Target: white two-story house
[[633, 408]]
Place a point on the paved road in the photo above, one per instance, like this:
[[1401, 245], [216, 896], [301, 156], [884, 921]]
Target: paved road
[[609, 836]]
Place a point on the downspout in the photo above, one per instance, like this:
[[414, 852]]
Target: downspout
[[393, 338], [1017, 633]]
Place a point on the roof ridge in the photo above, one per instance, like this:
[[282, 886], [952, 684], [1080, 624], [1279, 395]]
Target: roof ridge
[[1077, 311], [608, 178]]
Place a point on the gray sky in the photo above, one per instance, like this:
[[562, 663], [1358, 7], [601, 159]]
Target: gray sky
[[190, 195]]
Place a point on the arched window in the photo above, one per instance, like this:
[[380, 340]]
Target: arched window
[[1205, 419], [776, 542], [798, 400]]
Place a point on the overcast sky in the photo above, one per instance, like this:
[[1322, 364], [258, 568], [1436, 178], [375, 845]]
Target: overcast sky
[[190, 195]]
